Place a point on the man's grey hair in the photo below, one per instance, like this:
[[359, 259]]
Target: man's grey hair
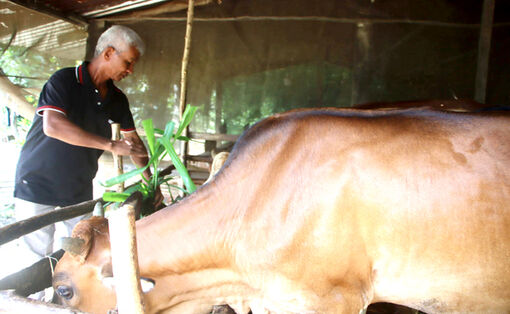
[[120, 38]]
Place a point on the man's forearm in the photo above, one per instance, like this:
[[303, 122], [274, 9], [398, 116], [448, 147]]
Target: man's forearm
[[59, 127], [56, 125]]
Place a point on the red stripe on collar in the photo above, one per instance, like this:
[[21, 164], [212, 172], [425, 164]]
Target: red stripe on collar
[[80, 74]]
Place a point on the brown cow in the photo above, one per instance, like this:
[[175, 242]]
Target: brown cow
[[327, 211]]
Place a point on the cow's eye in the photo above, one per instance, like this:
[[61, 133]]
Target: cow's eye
[[65, 292]]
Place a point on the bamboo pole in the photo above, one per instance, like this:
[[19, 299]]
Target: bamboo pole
[[117, 160], [184, 72], [125, 257]]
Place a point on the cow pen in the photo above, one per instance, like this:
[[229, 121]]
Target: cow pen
[[16, 287]]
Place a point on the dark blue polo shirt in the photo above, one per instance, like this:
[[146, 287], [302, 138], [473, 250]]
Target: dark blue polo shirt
[[52, 172]]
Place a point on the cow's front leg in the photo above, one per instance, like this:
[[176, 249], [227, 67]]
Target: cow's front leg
[[346, 301]]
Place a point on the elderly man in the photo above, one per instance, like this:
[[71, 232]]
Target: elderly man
[[71, 129]]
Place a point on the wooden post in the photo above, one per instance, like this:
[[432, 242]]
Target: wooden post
[[125, 257], [184, 72], [117, 160], [484, 47], [218, 125], [360, 56]]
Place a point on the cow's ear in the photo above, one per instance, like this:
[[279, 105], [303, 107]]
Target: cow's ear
[[77, 247], [81, 240]]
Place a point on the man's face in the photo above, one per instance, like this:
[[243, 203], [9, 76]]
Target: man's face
[[123, 63]]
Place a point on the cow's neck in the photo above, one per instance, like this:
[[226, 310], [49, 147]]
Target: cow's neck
[[188, 236]]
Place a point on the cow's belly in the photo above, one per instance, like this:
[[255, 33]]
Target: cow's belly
[[438, 290], [444, 266]]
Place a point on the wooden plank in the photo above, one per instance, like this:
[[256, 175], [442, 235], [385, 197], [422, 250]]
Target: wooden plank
[[11, 303], [36, 7], [34, 278], [213, 137], [20, 228], [484, 47], [156, 10], [200, 158]]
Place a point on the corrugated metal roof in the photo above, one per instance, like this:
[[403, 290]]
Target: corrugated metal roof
[[60, 26], [89, 9]]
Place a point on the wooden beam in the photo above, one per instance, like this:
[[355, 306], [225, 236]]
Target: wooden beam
[[12, 303], [34, 278], [166, 7], [41, 9], [20, 228], [320, 19], [96, 28], [213, 137], [200, 158], [484, 47]]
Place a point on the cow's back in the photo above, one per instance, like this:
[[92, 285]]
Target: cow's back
[[409, 206]]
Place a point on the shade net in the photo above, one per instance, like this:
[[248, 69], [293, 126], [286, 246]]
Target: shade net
[[250, 59]]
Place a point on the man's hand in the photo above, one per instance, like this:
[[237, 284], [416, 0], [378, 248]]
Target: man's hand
[[128, 148], [158, 198]]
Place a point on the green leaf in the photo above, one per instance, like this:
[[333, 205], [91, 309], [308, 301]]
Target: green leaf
[[184, 138], [149, 132], [123, 177], [158, 131], [177, 187], [190, 186], [187, 116], [164, 180], [115, 196], [158, 148], [169, 129]]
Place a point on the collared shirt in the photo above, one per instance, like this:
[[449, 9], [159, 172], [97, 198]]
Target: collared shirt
[[52, 172]]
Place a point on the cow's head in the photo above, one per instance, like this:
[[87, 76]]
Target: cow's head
[[83, 277], [82, 274]]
